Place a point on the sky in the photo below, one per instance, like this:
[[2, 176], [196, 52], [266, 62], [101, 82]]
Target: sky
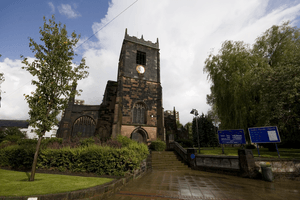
[[188, 31]]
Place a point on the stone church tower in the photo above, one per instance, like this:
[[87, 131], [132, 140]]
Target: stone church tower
[[132, 106], [138, 110]]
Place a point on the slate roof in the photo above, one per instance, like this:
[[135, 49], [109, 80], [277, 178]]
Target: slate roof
[[14, 123]]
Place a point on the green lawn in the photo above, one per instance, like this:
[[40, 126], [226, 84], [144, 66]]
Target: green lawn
[[264, 152], [14, 183]]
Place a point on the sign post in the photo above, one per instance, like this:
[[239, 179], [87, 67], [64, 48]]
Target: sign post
[[231, 137], [265, 135]]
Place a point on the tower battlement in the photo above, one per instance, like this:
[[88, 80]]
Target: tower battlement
[[141, 41]]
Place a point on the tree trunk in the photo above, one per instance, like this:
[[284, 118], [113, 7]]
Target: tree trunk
[[35, 158]]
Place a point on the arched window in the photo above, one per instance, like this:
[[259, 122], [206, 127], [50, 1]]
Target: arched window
[[84, 126], [139, 114]]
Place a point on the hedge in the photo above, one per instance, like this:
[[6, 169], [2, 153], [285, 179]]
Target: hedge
[[89, 158]]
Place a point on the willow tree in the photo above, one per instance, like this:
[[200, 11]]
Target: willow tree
[[231, 89], [258, 85], [56, 77], [279, 80]]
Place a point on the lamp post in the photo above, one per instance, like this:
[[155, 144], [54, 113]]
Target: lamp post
[[195, 112]]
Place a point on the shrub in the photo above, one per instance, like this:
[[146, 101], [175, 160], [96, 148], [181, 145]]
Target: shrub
[[113, 143], [49, 141], [158, 145], [87, 142], [5, 143], [90, 158], [125, 141], [185, 142], [17, 157], [27, 142]]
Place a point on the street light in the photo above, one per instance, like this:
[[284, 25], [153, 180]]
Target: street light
[[195, 112]]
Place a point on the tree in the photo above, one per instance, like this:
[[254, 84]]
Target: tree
[[188, 127], [280, 81], [206, 131], [231, 91], [12, 134], [258, 85], [57, 78]]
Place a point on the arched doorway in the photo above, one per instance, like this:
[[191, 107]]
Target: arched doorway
[[139, 135], [84, 127]]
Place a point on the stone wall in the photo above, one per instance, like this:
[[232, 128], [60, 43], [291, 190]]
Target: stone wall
[[281, 168], [282, 165]]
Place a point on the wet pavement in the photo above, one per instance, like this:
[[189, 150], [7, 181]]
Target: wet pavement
[[192, 184]]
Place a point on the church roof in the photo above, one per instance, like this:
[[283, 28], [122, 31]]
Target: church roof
[[14, 123]]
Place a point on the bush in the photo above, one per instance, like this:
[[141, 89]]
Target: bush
[[5, 143], [185, 142], [158, 145], [91, 158], [27, 142], [17, 157], [250, 146], [113, 143], [87, 142], [125, 141]]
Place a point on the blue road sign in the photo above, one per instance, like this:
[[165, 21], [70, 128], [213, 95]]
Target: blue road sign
[[232, 136], [192, 156], [264, 135]]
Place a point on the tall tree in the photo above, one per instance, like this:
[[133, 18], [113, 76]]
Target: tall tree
[[280, 80], [57, 77], [188, 127], [206, 131], [231, 89], [258, 86]]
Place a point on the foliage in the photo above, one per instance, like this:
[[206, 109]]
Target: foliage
[[158, 145], [12, 134], [86, 142], [259, 86], [57, 77], [5, 143], [113, 143], [89, 158], [125, 141], [188, 127], [185, 143], [17, 157], [207, 131]]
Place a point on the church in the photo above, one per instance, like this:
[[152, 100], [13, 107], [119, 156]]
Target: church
[[132, 105]]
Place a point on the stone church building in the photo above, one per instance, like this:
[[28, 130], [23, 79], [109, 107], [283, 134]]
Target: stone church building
[[132, 105]]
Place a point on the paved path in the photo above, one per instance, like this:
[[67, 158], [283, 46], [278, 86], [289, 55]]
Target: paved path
[[192, 184]]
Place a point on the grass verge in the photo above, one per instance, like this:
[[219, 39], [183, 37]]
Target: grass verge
[[14, 183], [264, 152]]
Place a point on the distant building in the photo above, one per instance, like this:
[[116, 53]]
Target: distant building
[[23, 125], [30, 132], [13, 123]]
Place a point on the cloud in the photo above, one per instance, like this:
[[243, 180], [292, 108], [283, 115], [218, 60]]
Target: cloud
[[17, 82], [51, 6], [66, 9], [187, 33]]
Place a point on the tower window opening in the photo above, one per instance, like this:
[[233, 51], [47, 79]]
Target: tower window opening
[[139, 114], [141, 58]]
